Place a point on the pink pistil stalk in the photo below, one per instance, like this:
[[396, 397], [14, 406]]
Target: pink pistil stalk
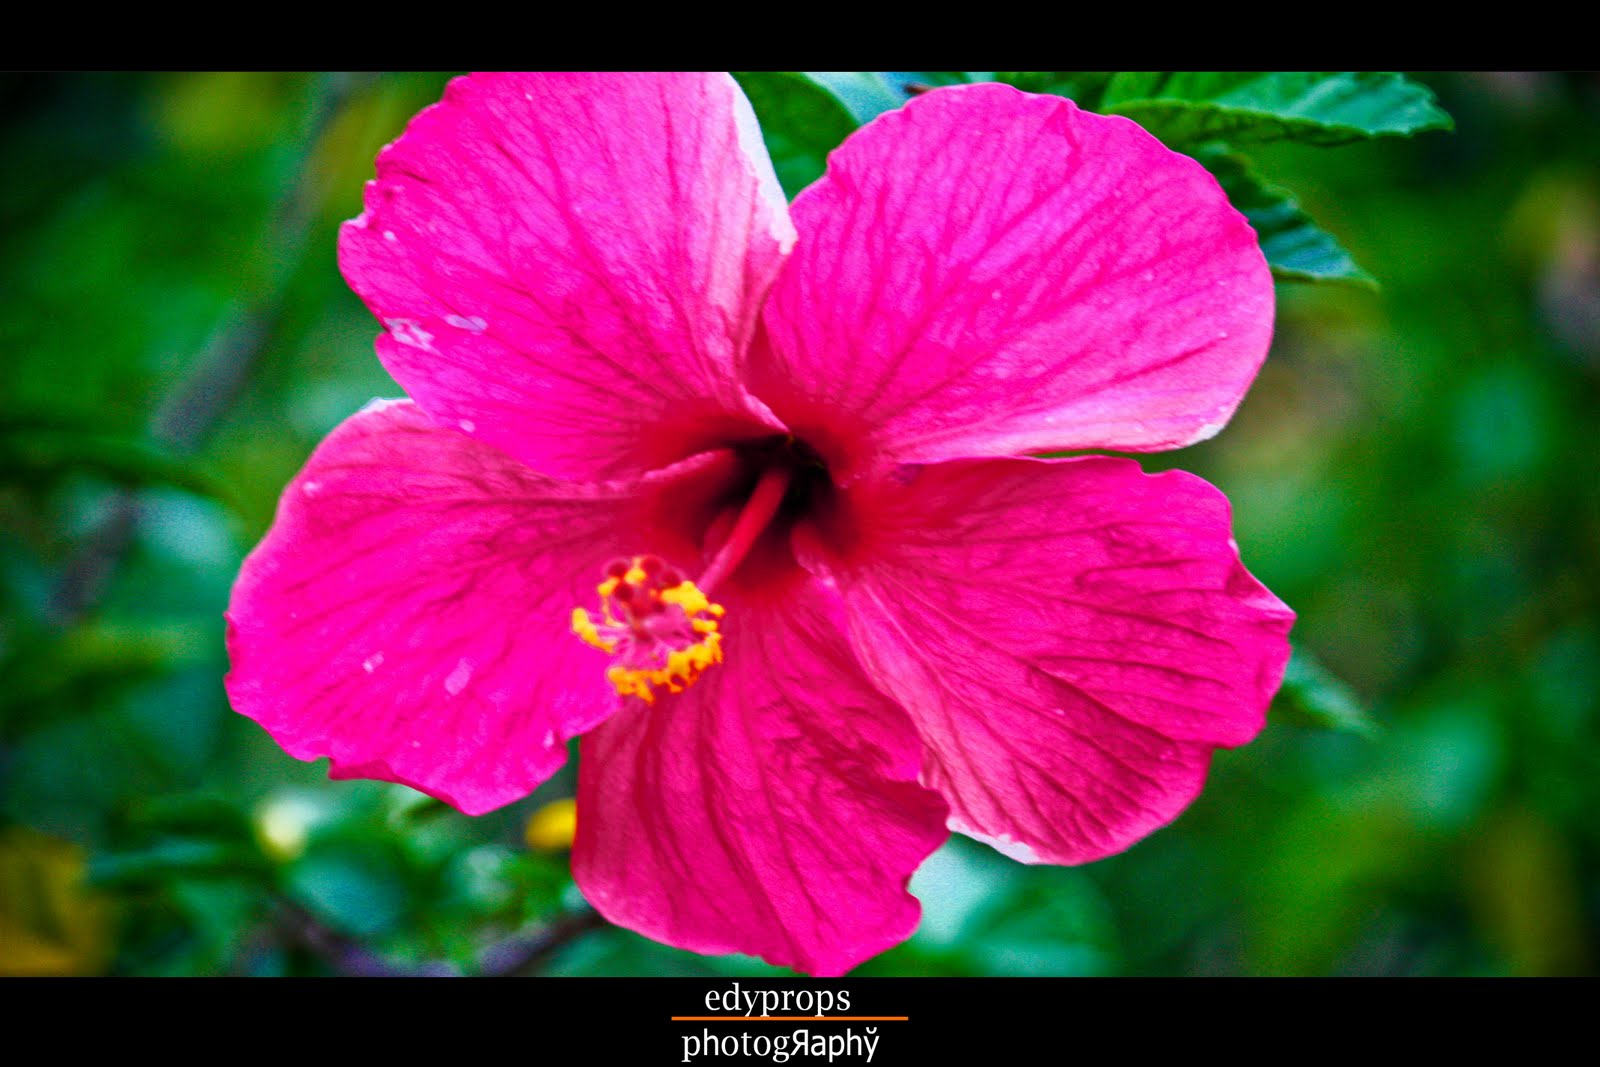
[[765, 499]]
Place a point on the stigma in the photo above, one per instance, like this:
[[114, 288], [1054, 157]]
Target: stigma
[[658, 627]]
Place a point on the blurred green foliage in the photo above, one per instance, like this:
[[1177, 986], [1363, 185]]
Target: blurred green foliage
[[1414, 472]]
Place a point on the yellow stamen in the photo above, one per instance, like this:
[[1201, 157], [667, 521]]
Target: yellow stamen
[[639, 628], [684, 665], [585, 628], [688, 596]]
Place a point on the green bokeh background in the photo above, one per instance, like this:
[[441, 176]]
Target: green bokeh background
[[1414, 472]]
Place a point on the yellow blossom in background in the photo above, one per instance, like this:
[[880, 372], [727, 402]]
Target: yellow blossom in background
[[50, 923], [552, 827]]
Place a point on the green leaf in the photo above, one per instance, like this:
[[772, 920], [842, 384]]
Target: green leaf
[[38, 451], [47, 674], [801, 122], [1316, 107], [865, 94], [805, 115], [198, 814], [222, 914], [171, 859], [1083, 87], [1296, 248], [1311, 696], [908, 83], [989, 915], [353, 891]]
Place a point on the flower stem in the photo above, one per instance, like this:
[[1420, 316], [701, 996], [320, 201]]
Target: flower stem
[[758, 511]]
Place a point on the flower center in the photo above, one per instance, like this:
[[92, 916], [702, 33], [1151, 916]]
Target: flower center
[[660, 628]]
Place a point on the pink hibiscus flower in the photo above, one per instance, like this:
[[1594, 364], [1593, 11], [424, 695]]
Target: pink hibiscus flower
[[739, 491]]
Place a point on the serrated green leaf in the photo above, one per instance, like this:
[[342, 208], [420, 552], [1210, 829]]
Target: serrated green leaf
[[1312, 696], [1316, 107], [1296, 248], [801, 122]]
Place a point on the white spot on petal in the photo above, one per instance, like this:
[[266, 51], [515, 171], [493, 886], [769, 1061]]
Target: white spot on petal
[[467, 425], [549, 738], [372, 662], [410, 332], [388, 235], [458, 679], [311, 488], [474, 323]]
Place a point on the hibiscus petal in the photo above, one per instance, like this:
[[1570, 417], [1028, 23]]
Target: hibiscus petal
[[771, 808], [985, 272], [1073, 639], [407, 614], [569, 266]]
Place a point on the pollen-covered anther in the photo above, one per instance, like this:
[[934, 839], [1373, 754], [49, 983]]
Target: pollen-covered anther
[[660, 629]]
